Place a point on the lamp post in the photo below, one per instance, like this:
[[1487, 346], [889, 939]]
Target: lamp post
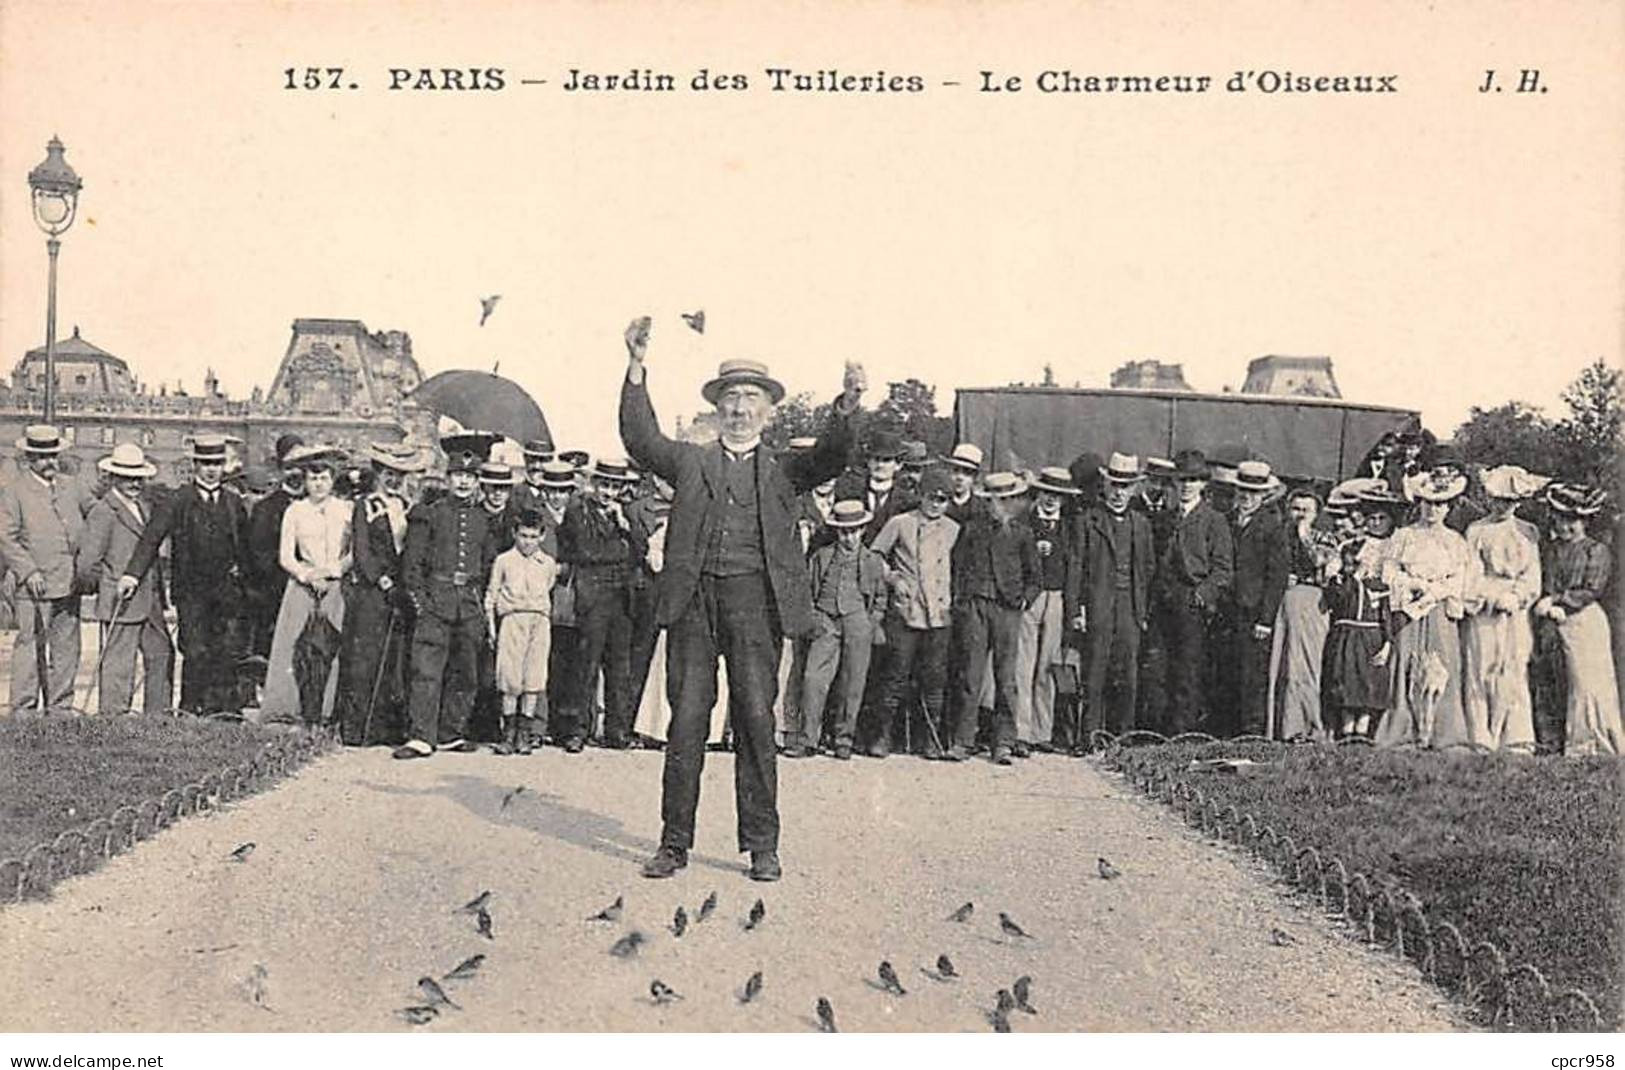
[[56, 199]]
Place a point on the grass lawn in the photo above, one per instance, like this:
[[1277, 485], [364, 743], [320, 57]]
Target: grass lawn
[[59, 773], [1522, 852]]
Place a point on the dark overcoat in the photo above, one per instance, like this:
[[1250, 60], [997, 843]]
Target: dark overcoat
[[1096, 570]]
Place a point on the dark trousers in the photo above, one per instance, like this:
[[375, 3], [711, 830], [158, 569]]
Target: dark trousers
[[1244, 678], [370, 702], [1183, 629], [1112, 654], [733, 617], [645, 635], [446, 645], [981, 624], [212, 641], [605, 630], [919, 656], [561, 678]]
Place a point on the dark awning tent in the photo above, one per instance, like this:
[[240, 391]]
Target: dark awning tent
[[1313, 438]]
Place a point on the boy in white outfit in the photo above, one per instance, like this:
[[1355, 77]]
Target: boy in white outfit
[[518, 611]]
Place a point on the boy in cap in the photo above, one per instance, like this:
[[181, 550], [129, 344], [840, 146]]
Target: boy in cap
[[849, 598]]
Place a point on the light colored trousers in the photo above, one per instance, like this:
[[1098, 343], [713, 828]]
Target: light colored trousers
[[1038, 646], [61, 633], [122, 641]]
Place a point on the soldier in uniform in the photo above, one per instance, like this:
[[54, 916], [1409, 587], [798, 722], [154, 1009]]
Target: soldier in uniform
[[207, 528], [371, 688], [447, 561]]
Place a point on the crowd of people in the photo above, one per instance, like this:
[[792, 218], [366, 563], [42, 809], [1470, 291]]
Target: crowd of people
[[949, 610]]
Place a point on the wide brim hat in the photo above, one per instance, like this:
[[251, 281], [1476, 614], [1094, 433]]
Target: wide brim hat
[[734, 372], [849, 513], [1379, 496], [1001, 485], [1575, 499], [965, 456], [1428, 488], [1056, 481], [1255, 476], [1122, 468], [1191, 464], [1513, 481], [41, 439], [129, 461], [1346, 495], [316, 456], [614, 470], [398, 458], [286, 444]]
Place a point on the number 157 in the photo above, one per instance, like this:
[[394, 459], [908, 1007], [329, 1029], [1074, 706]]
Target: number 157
[[314, 78]]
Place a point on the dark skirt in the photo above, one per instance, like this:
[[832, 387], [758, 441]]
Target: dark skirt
[[1347, 676]]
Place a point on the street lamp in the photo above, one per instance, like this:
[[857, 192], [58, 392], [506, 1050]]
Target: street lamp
[[56, 199]]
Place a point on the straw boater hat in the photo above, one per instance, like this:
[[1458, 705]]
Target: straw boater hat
[[537, 451], [849, 513], [397, 456], [1255, 475], [1122, 468], [1346, 495], [1430, 488], [1056, 481], [614, 470], [208, 449], [558, 475], [802, 442], [493, 474], [733, 372], [1575, 499], [1001, 485], [1513, 481], [128, 461], [576, 458], [965, 456], [1159, 468]]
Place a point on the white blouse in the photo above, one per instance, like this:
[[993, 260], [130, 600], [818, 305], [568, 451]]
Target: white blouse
[[316, 539]]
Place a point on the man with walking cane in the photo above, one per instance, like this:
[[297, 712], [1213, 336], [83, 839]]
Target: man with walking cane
[[371, 696], [41, 519], [133, 622]]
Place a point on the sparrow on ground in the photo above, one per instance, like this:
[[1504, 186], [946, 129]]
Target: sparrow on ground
[[707, 907], [963, 913], [242, 852], [1108, 872], [758, 911], [475, 905], [753, 987], [612, 912], [945, 966], [483, 919], [695, 320], [418, 1015], [488, 305], [826, 1016], [661, 992], [464, 969], [511, 796], [1010, 928], [679, 922], [1022, 990], [888, 979], [434, 993], [1006, 1002], [628, 945], [1000, 1020], [1282, 938]]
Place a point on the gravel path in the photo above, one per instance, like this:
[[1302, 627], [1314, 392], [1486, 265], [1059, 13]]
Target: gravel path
[[361, 860]]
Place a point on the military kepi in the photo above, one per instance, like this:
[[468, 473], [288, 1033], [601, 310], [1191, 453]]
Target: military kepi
[[467, 450]]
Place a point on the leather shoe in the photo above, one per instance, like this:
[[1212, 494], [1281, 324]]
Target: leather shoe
[[573, 745], [764, 866], [1001, 756], [799, 752], [879, 750], [843, 752], [1021, 750], [666, 861], [405, 752], [955, 754], [460, 746]]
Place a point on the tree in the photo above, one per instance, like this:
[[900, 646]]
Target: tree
[[1591, 431], [795, 417], [1582, 446], [1513, 433], [911, 407]]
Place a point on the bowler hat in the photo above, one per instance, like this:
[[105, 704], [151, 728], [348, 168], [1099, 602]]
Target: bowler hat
[[849, 513], [1191, 464], [127, 460], [884, 445], [916, 455], [734, 372]]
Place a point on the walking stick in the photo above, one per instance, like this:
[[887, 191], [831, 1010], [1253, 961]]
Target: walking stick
[[378, 677], [40, 665], [930, 724]]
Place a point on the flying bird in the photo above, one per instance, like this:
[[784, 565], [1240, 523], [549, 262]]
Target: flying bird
[[628, 945], [512, 795], [1108, 872], [418, 1015], [679, 922], [753, 987], [661, 992], [1000, 1020], [945, 966], [888, 979], [695, 320], [758, 911], [484, 920], [1282, 938], [434, 993], [475, 905], [1010, 928], [1022, 990], [707, 907], [242, 852], [826, 1016], [488, 305], [963, 913], [612, 912], [465, 969]]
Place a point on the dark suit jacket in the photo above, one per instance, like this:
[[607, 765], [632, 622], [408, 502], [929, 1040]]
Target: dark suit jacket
[[110, 535], [1197, 552], [1261, 568], [855, 484], [696, 472], [986, 552], [265, 544], [1096, 570], [372, 545], [207, 566]]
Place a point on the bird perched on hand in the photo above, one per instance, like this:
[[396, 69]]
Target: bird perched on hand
[[679, 922], [826, 1016], [695, 320], [707, 907], [475, 905], [1010, 928], [753, 987], [661, 992], [418, 1015], [488, 305], [612, 912], [1108, 872], [945, 966], [889, 981], [963, 913], [434, 993], [511, 796], [483, 923], [464, 969], [628, 945], [241, 853], [758, 911], [1022, 991]]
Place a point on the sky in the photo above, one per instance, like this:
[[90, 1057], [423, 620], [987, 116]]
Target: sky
[[1445, 248]]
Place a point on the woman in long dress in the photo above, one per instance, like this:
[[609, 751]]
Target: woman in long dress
[[1428, 570], [1574, 571], [1299, 635], [315, 553], [1496, 638]]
